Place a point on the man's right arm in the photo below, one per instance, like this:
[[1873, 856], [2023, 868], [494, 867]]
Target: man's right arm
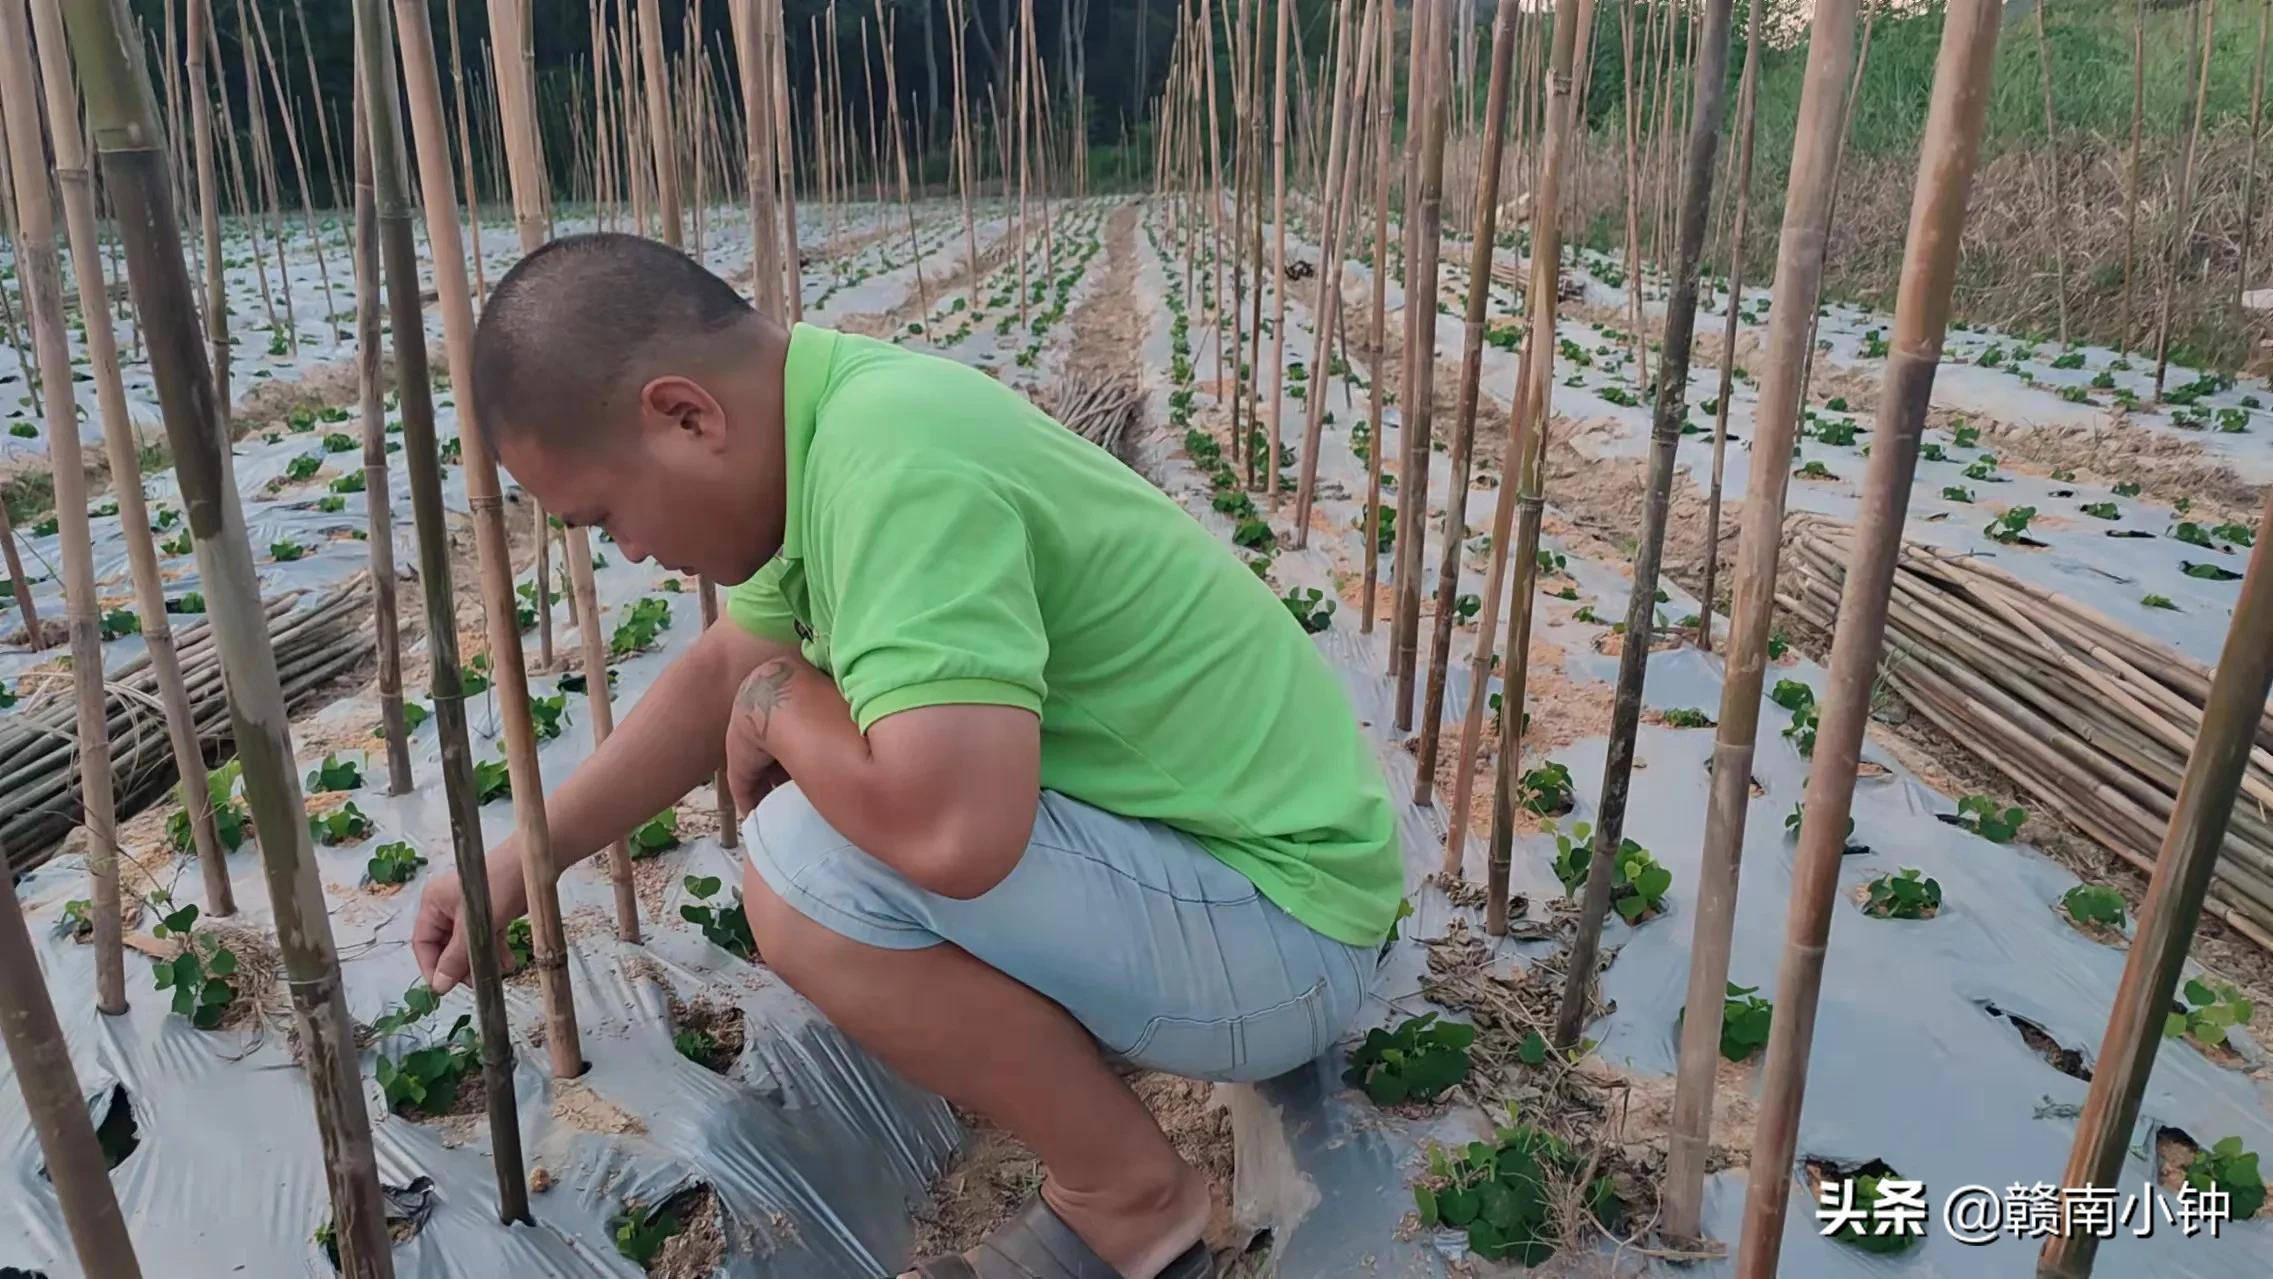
[[671, 742]]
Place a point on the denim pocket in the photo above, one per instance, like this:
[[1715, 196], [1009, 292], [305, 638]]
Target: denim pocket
[[1267, 1042]]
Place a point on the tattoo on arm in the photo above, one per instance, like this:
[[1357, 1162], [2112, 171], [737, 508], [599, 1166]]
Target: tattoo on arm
[[766, 688]]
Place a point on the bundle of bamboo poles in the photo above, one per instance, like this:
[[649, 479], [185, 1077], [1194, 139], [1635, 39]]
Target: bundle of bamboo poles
[[2088, 716], [1099, 408], [318, 636]]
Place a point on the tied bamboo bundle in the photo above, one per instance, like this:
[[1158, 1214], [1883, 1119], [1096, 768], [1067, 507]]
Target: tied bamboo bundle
[[2089, 717], [1099, 408], [318, 637]]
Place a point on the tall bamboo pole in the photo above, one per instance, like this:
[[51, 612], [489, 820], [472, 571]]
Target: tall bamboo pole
[[196, 22], [1417, 397], [378, 501], [1276, 370], [466, 151], [1483, 225], [1235, 32], [1528, 448], [2055, 226], [2157, 955], [1345, 148], [379, 148], [41, 1058], [1747, 96], [265, 56], [765, 266], [316, 92], [1377, 272], [659, 120], [1710, 90], [72, 178], [2182, 230], [134, 172], [264, 168], [1838, 171], [961, 144], [1937, 215], [487, 504], [785, 151], [2249, 171], [1799, 271], [2129, 318], [42, 280], [884, 27]]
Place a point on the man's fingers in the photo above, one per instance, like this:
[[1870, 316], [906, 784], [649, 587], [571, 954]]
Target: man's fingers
[[430, 933], [452, 967]]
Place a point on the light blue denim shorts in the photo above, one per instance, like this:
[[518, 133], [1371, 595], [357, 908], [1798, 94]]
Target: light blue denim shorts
[[1170, 958]]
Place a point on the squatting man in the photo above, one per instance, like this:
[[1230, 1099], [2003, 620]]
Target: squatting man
[[1039, 778]]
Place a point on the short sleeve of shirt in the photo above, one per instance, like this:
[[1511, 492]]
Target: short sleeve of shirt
[[759, 607], [932, 573]]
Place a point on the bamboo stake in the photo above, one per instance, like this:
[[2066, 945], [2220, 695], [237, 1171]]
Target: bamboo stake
[[659, 122], [466, 151], [1277, 368], [1710, 82], [378, 500], [1341, 192], [264, 168], [1418, 394], [41, 1058], [2055, 227], [2131, 183], [237, 170], [2249, 171], [41, 277], [1528, 444], [1799, 269], [379, 148], [1206, 85], [765, 267], [267, 57], [785, 148], [316, 92], [118, 437], [1483, 226], [196, 27], [487, 504], [2182, 230], [19, 586], [1747, 98], [118, 97], [884, 27], [1945, 177], [1638, 342], [1385, 118], [1235, 37]]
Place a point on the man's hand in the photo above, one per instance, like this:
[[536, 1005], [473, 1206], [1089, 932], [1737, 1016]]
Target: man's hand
[[751, 769], [438, 938]]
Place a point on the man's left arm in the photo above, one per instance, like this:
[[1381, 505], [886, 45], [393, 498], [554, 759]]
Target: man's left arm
[[923, 746], [944, 794]]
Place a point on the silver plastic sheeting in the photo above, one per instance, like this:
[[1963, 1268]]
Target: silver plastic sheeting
[[1909, 1065]]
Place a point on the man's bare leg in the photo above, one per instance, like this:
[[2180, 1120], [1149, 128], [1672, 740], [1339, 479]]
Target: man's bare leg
[[990, 1044]]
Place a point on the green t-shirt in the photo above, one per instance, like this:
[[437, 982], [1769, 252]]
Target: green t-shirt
[[947, 543]]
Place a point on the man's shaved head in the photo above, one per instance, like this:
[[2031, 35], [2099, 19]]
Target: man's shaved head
[[575, 329]]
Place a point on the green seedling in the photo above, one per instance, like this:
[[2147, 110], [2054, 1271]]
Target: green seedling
[[2102, 511], [337, 442], [2212, 1008], [418, 1002], [286, 550], [2070, 360], [335, 774], [230, 818], [638, 631], [2238, 534], [304, 467], [694, 1045], [177, 545], [352, 482], [520, 942], [1801, 731], [2193, 534], [493, 780], [1546, 790], [1907, 894], [656, 835], [343, 825], [1983, 468], [1255, 535], [1964, 436], [1502, 1193], [2158, 601], [641, 1233], [1794, 819], [1857, 1233], [414, 714], [1814, 470], [1688, 717], [1792, 695], [1310, 608], [2010, 527], [1992, 821], [117, 623], [1639, 885], [1778, 645], [546, 714], [1957, 493], [1418, 1061], [394, 863], [2208, 572], [331, 504], [1466, 606], [2128, 488], [1744, 1022], [2226, 1166], [2094, 904], [425, 1081], [727, 927], [199, 975]]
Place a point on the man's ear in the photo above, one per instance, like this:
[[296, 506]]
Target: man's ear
[[680, 405]]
